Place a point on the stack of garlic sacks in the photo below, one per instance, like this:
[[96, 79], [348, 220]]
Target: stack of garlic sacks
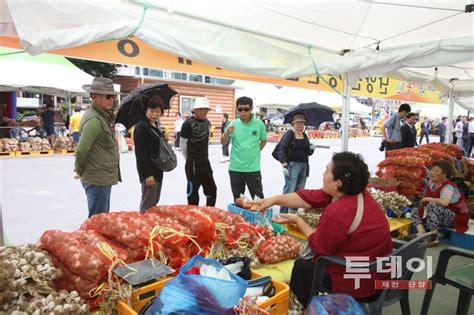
[[26, 284]]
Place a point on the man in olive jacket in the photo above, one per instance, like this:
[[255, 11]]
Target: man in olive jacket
[[97, 156]]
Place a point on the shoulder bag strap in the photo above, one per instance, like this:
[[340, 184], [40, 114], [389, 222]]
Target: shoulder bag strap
[[359, 213]]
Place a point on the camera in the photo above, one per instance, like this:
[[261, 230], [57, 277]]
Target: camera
[[382, 146]]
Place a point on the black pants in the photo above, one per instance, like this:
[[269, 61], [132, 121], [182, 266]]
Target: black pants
[[302, 280], [466, 145], [442, 139], [253, 180], [225, 149], [423, 135], [199, 173], [176, 141]]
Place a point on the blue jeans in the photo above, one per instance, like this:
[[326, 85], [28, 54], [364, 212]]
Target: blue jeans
[[98, 198], [297, 172]]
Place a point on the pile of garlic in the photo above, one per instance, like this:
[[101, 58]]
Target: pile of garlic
[[310, 216], [26, 284], [390, 200]]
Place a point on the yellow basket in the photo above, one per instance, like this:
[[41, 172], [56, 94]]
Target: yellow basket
[[399, 228], [276, 305]]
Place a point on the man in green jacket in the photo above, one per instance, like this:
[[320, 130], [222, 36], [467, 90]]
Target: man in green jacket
[[97, 156]]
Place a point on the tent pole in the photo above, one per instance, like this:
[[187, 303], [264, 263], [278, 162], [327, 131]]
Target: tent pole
[[449, 127], [345, 115]]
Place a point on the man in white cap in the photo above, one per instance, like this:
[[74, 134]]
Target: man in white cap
[[97, 156], [194, 145]]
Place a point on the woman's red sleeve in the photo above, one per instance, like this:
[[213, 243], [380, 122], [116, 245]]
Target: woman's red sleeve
[[316, 198]]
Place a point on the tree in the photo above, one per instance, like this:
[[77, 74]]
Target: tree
[[96, 68]]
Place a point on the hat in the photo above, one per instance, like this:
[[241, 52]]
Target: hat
[[101, 86], [299, 118], [201, 102]]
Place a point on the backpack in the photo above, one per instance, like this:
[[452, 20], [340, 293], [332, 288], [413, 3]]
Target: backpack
[[166, 160]]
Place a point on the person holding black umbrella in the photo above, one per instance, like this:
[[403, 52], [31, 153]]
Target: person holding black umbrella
[[97, 156], [195, 149], [147, 144]]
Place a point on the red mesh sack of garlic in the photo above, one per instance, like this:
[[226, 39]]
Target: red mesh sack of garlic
[[81, 259], [71, 282], [171, 231], [121, 227], [436, 154], [221, 216], [242, 232], [407, 161], [415, 152], [450, 149], [199, 223], [264, 231], [278, 248], [399, 171], [94, 239]]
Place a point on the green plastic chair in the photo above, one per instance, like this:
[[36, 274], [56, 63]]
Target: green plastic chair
[[460, 277]]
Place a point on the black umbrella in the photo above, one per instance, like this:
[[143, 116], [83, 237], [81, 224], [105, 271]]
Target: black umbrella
[[315, 113], [131, 109]]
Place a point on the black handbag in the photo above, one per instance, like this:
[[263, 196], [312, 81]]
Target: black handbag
[[166, 160]]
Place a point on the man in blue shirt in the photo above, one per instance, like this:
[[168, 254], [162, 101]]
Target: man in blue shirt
[[391, 128]]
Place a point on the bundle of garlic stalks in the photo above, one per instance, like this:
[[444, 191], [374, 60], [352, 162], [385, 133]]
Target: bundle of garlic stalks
[[26, 284], [390, 200], [310, 216]]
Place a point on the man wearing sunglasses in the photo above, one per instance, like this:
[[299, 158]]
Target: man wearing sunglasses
[[248, 137], [97, 156]]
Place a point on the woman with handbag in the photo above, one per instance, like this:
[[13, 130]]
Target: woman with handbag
[[146, 136], [293, 154]]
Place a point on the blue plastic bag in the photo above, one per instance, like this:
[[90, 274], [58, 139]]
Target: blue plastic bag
[[332, 304], [196, 294]]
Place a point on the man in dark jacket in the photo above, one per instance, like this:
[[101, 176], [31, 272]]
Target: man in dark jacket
[[195, 149], [425, 130], [442, 129], [408, 131]]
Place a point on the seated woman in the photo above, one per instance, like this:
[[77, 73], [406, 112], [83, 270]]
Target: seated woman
[[340, 231], [443, 205]]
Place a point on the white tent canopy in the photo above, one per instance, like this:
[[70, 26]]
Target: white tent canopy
[[284, 39], [284, 96], [270, 38], [53, 75]]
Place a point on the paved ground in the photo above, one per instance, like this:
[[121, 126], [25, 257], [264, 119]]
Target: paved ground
[[40, 194]]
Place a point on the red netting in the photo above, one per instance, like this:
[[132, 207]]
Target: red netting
[[278, 248], [81, 259]]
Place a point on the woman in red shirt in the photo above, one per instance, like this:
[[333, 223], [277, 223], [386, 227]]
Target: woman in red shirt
[[339, 232]]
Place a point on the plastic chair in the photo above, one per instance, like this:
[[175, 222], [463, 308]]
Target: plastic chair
[[415, 248], [460, 277]]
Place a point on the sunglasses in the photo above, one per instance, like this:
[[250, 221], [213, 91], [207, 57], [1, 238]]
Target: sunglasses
[[108, 97], [243, 109]]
